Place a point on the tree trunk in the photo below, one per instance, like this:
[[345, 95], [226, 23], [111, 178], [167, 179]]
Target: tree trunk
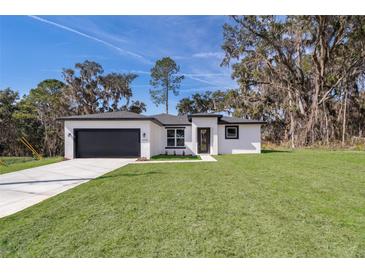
[[344, 119], [292, 122], [326, 123], [319, 57], [312, 117], [167, 101], [292, 125]]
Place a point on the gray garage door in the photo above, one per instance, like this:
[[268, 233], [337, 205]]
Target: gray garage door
[[107, 143]]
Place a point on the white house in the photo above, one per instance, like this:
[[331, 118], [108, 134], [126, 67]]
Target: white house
[[127, 134]]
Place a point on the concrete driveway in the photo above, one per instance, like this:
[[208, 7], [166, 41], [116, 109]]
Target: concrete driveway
[[21, 189]]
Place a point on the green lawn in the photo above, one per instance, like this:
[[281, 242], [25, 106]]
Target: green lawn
[[19, 163], [174, 157], [276, 204]]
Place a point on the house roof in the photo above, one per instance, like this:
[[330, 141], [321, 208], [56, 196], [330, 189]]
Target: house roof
[[106, 115], [115, 115], [172, 120], [225, 119], [160, 119], [205, 114]]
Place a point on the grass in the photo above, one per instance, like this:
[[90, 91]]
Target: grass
[[287, 204], [20, 163], [163, 157]]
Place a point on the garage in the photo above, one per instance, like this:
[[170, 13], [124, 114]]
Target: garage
[[107, 143]]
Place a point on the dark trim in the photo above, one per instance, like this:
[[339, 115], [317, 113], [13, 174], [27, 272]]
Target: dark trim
[[107, 119], [175, 127], [242, 123], [156, 121], [102, 119], [199, 140], [205, 115], [175, 147], [230, 138], [75, 135], [197, 115]]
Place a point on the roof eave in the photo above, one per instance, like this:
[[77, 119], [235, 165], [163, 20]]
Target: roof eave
[[108, 119], [190, 116], [242, 123], [176, 125]]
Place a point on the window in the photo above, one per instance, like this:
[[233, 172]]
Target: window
[[231, 132], [175, 137]]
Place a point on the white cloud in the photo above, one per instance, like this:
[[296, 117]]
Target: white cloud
[[191, 76], [141, 72], [205, 88], [208, 55], [206, 74], [119, 49]]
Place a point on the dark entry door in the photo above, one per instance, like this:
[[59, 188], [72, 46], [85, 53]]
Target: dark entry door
[[203, 140], [107, 143]]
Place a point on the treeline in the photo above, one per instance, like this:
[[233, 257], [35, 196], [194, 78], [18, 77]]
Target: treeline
[[84, 90], [304, 75]]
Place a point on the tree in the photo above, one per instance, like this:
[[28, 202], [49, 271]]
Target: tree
[[84, 90], [218, 101], [34, 116], [116, 86], [165, 78], [300, 70], [90, 91], [185, 106], [28, 126], [202, 102], [17, 119], [198, 103], [137, 107], [49, 103], [8, 100], [8, 105]]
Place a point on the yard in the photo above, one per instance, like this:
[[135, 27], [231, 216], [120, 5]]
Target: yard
[[10, 164], [277, 204]]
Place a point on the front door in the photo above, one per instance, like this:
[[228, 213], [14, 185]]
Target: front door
[[203, 140]]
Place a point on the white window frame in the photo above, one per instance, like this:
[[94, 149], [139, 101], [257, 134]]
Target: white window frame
[[175, 138]]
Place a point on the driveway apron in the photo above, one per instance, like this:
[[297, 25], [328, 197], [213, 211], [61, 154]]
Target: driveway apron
[[24, 188]]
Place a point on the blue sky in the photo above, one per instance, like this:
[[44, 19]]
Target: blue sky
[[36, 48]]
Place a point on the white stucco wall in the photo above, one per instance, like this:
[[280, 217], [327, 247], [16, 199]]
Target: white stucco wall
[[249, 140], [156, 139], [144, 126], [207, 122]]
